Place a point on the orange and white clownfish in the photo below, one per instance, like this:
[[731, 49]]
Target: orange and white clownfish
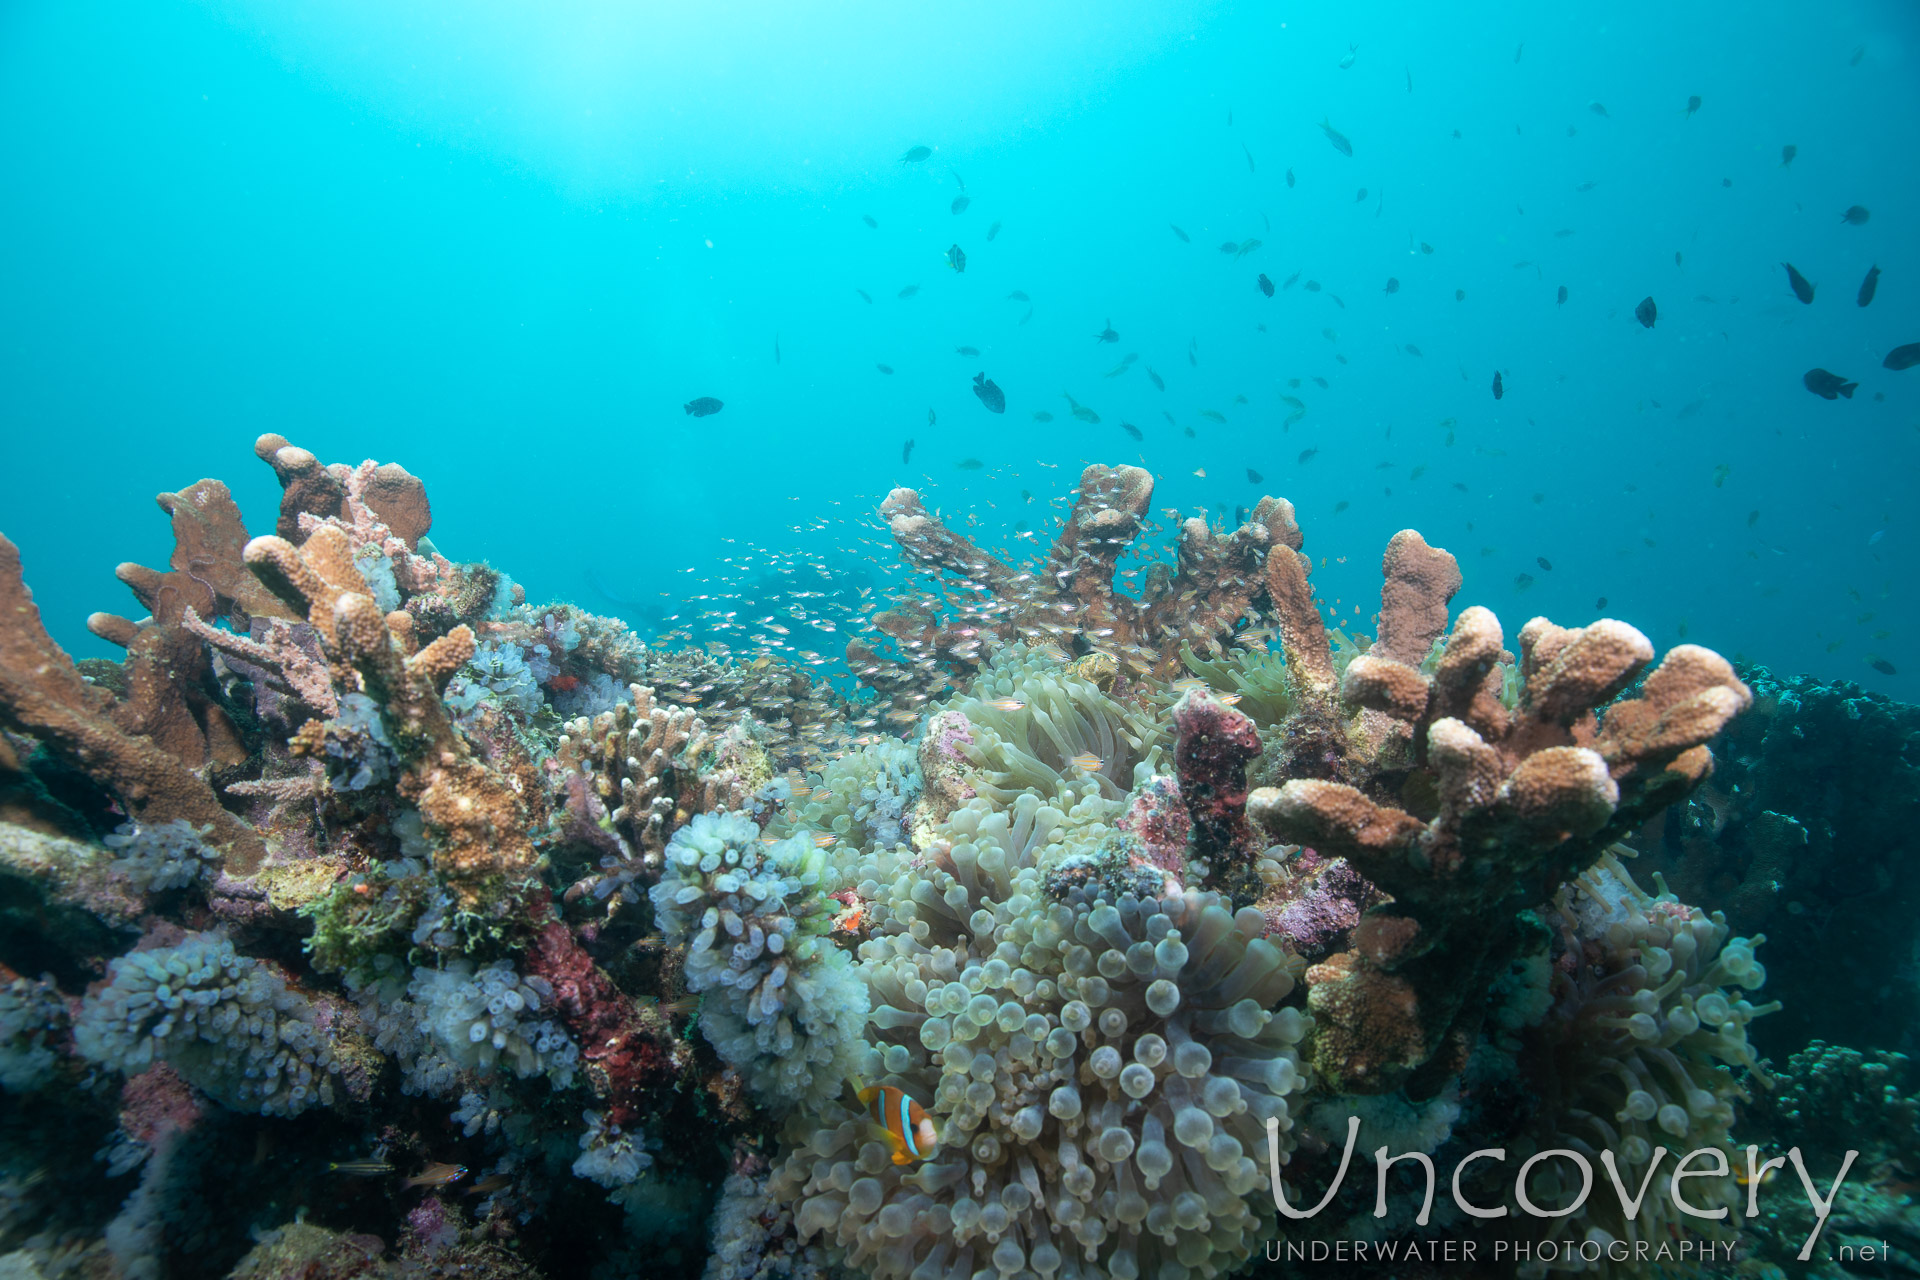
[[905, 1123]]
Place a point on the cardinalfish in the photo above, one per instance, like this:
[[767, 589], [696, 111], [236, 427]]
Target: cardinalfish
[[1187, 684], [825, 841], [360, 1168], [1089, 761], [1006, 704], [907, 1126], [1227, 699], [438, 1174]]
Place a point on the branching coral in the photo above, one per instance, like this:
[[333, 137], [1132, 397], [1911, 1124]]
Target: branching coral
[[1103, 1074], [474, 814], [977, 600], [224, 1021], [626, 779], [43, 695], [1522, 801], [782, 1002]]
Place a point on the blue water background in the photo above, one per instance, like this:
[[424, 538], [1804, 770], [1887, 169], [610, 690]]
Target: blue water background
[[503, 243]]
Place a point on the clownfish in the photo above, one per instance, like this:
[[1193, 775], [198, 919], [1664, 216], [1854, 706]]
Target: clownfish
[[906, 1124]]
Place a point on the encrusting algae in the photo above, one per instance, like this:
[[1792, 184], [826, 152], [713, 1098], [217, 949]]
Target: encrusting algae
[[1030, 955]]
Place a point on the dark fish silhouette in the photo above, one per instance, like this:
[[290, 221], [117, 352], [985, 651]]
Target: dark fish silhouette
[[1598, 108], [1230, 246], [703, 406], [1544, 563], [1499, 388], [1018, 295], [1413, 350], [993, 231], [1155, 379], [884, 368], [1646, 313], [960, 203], [956, 257], [1459, 295], [868, 219], [1289, 280], [1306, 455], [1801, 289], [1693, 105], [1425, 247], [1360, 195], [1337, 138], [1254, 477], [1249, 155], [1289, 179], [1184, 237], [906, 450], [1393, 284], [914, 155], [1563, 296], [1828, 386], [1107, 334], [968, 464], [864, 296], [908, 292], [1856, 215], [1787, 153], [990, 395], [1904, 357], [1265, 285], [1311, 286], [776, 348], [1132, 430], [966, 351], [1517, 50], [1884, 667], [1869, 286]]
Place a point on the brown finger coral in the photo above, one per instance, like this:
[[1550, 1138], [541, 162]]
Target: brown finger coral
[[1510, 803]]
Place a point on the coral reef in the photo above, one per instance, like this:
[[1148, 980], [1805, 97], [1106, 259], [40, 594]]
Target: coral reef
[[1811, 813], [1104, 1075], [508, 941]]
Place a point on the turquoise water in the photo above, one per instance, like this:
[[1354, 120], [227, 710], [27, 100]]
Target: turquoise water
[[493, 942], [503, 246]]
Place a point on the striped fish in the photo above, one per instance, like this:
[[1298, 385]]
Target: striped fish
[[908, 1127]]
